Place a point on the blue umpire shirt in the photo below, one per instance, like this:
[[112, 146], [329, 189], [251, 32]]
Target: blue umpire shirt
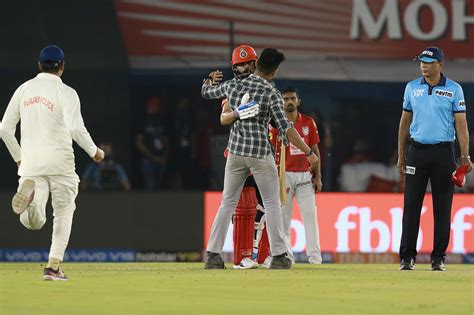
[[433, 109]]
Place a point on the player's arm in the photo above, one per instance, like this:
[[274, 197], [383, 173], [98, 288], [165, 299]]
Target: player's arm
[[462, 134], [75, 124], [462, 131], [313, 143], [227, 114], [403, 132], [8, 128], [316, 170]]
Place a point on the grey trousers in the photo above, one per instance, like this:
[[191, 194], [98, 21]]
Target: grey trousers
[[266, 176]]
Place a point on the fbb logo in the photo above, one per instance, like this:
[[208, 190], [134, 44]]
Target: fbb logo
[[367, 223]]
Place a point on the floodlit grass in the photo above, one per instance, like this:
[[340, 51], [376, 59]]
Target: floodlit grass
[[185, 288]]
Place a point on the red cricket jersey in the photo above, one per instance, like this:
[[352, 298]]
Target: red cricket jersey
[[296, 160]]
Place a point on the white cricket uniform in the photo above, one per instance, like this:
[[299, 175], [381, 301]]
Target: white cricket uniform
[[50, 116], [299, 185]]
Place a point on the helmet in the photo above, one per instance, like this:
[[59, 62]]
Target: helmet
[[243, 54]]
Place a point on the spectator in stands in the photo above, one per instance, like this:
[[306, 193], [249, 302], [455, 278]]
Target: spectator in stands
[[152, 144], [356, 172], [390, 181], [184, 148], [108, 175]]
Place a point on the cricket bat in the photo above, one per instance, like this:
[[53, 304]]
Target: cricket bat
[[282, 179]]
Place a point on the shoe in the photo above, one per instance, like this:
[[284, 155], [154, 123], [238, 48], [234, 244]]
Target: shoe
[[214, 261], [267, 262], [54, 275], [407, 264], [438, 265], [315, 260], [22, 199], [280, 262], [246, 263]]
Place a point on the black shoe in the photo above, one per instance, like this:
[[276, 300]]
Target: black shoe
[[214, 261], [407, 264], [280, 262], [438, 265]]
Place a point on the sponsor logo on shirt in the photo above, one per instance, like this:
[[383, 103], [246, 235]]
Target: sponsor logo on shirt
[[418, 92], [39, 100], [462, 103], [444, 93], [305, 130], [410, 170], [427, 52], [294, 150]]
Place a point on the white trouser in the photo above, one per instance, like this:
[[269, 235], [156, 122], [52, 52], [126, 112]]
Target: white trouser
[[63, 191], [266, 176], [301, 187]]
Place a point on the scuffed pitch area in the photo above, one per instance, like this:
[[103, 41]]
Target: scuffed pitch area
[[185, 288]]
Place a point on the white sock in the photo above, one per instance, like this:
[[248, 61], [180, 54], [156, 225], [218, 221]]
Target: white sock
[[53, 263]]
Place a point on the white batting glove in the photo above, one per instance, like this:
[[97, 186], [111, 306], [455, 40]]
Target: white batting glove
[[246, 109]]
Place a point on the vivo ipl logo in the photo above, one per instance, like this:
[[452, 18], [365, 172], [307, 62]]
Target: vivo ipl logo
[[418, 92]]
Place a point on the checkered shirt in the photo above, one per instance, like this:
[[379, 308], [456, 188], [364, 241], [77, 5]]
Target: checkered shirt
[[249, 137]]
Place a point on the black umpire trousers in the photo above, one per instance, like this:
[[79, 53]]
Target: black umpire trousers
[[436, 163]]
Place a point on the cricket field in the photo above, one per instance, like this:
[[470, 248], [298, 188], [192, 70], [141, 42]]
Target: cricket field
[[185, 288]]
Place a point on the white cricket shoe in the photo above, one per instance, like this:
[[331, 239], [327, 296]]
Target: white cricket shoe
[[315, 260], [246, 263], [266, 264], [22, 199]]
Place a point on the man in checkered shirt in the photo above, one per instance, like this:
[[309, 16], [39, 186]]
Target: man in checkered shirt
[[249, 149]]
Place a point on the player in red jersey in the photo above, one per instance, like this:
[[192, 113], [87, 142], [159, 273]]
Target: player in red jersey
[[302, 182]]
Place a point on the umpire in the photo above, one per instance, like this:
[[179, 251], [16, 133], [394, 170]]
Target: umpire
[[434, 112]]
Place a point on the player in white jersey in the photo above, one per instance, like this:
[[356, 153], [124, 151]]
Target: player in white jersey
[[50, 116]]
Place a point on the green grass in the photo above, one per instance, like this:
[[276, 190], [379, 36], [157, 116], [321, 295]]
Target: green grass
[[185, 288]]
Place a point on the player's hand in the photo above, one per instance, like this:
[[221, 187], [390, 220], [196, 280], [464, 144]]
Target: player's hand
[[402, 164], [216, 77], [466, 161], [317, 184], [99, 155], [313, 160]]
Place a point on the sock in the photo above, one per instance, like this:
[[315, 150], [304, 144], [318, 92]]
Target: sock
[[53, 263]]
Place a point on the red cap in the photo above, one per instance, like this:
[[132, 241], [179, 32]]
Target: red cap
[[243, 53], [459, 175]]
